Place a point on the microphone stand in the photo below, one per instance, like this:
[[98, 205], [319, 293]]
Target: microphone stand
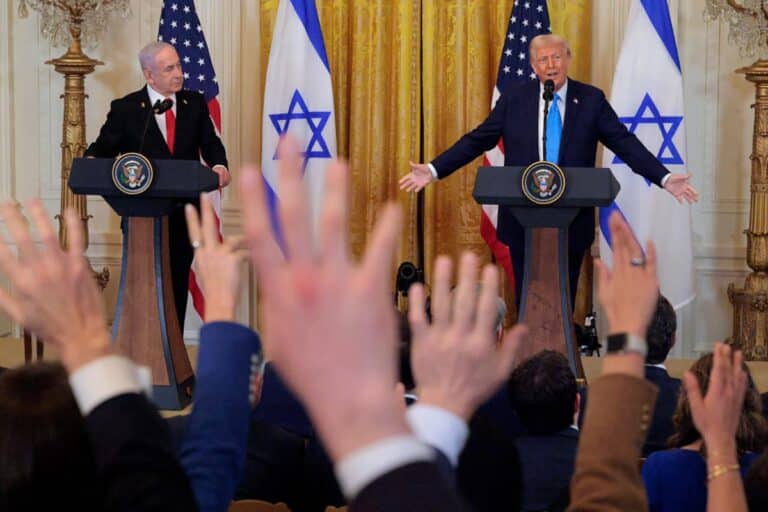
[[547, 99], [152, 109]]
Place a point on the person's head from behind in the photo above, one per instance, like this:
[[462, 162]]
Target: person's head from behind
[[45, 453], [661, 332], [161, 67], [550, 58], [543, 393], [752, 432]]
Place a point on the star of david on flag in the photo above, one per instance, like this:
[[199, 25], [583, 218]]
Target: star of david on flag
[[648, 114], [298, 100], [647, 94]]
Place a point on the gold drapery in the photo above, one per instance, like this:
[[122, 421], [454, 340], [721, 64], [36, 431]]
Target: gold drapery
[[463, 40], [375, 53], [373, 49]]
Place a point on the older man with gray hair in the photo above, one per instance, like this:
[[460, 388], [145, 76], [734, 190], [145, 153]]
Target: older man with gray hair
[[579, 117], [182, 132]]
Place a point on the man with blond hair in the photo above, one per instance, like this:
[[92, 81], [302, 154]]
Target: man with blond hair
[[183, 132], [578, 118]]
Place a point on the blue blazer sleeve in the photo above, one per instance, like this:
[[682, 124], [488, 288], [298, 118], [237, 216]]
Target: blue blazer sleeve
[[213, 450]]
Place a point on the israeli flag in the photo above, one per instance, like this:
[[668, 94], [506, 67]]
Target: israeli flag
[[647, 94], [298, 100]]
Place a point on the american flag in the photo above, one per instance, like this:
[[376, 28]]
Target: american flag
[[529, 18], [180, 26]]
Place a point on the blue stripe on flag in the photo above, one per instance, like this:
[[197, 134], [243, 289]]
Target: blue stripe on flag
[[307, 13], [658, 13], [272, 202], [605, 214]]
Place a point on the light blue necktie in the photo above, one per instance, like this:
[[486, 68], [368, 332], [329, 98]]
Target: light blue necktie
[[554, 131]]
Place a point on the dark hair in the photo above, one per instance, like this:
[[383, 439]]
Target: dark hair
[[756, 483], [45, 453], [543, 392], [661, 332], [752, 431]]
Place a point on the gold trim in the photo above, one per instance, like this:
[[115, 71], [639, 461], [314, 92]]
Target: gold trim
[[150, 174], [533, 167]]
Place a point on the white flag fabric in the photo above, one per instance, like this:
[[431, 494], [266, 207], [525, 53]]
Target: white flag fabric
[[647, 94], [298, 100]]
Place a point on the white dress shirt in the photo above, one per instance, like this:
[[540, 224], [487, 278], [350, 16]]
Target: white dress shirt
[[105, 378], [154, 97]]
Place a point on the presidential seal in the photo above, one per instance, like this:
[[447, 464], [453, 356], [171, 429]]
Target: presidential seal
[[132, 173], [543, 183]]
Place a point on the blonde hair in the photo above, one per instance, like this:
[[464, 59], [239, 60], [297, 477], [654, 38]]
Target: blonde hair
[[545, 40]]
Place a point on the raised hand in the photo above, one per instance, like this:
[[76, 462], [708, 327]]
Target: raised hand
[[419, 177], [55, 293], [330, 326], [629, 291], [217, 263], [679, 185], [456, 360]]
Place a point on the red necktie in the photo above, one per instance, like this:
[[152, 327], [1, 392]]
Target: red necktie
[[170, 128]]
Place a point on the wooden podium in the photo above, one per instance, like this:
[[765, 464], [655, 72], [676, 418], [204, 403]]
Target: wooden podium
[[145, 326], [545, 305]]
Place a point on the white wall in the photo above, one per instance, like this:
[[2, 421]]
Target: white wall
[[719, 136]]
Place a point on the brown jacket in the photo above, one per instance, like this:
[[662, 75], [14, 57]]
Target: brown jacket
[[607, 473]]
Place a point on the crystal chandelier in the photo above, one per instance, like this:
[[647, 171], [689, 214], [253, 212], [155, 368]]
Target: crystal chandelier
[[748, 22], [60, 17]]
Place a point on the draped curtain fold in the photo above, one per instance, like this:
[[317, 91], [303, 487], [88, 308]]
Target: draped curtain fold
[[389, 60]]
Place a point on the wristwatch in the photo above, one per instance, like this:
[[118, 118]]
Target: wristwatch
[[624, 343]]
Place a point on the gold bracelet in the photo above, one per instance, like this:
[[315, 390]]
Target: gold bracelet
[[721, 469]]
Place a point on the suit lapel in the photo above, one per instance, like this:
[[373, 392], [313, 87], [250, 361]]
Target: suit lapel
[[182, 114], [154, 142], [532, 120], [572, 107]]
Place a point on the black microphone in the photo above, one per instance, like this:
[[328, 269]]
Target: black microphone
[[549, 95], [549, 90], [160, 107]]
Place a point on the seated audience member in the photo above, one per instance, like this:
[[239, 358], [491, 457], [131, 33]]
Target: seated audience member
[[45, 452], [676, 479], [543, 392], [56, 298], [661, 338], [756, 483]]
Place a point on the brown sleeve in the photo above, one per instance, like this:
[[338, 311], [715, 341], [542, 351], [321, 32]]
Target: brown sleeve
[[607, 473]]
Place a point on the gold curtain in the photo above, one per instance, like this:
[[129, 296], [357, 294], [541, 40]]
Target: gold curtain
[[373, 51], [462, 45]]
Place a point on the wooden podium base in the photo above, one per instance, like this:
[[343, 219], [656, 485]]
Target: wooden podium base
[[545, 306], [146, 328]]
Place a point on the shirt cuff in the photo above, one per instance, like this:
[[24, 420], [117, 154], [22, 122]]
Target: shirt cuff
[[433, 171], [438, 428], [222, 166], [355, 471], [665, 178], [102, 379]]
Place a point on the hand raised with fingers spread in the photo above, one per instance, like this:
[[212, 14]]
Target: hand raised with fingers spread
[[456, 360], [716, 414], [330, 327], [56, 296], [217, 263], [628, 292]]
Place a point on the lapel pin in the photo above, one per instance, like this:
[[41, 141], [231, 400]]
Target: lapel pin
[[184, 101], [143, 105], [576, 100]]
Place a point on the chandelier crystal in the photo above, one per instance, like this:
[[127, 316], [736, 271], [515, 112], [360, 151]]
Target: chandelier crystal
[[60, 18]]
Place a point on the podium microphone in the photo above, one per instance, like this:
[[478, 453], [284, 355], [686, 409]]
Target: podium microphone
[[160, 107], [548, 95]]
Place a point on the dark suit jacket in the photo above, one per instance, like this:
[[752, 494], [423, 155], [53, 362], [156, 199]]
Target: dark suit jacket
[[589, 119], [661, 426], [195, 133], [134, 455], [547, 467], [417, 487]]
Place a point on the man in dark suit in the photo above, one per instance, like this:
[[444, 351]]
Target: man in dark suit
[[586, 118], [661, 338], [543, 392], [184, 132]]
